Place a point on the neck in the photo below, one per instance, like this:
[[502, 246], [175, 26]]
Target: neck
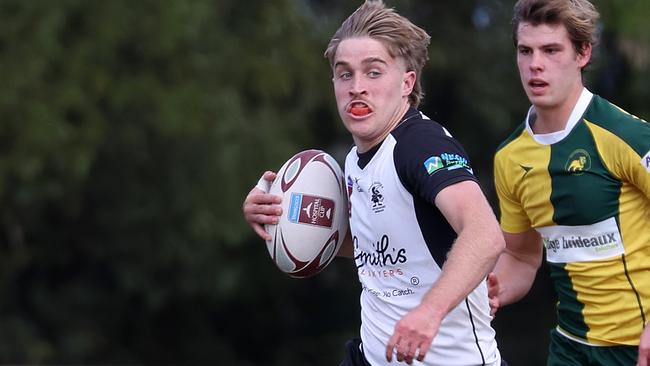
[[554, 118], [395, 119]]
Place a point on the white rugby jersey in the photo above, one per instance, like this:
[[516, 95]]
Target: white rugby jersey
[[401, 240]]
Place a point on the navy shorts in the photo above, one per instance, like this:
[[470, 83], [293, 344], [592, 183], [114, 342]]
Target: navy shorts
[[354, 354]]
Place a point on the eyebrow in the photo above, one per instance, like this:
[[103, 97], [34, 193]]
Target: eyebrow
[[369, 60], [545, 45]]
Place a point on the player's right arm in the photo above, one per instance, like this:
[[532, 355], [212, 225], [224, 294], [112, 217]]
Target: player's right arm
[[516, 268], [261, 207]]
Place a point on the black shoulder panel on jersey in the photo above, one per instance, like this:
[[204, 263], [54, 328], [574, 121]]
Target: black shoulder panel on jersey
[[427, 160]]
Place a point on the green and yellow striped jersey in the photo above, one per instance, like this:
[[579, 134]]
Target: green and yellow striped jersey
[[588, 195]]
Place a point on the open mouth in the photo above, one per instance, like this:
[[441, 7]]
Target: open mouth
[[359, 109], [537, 84]]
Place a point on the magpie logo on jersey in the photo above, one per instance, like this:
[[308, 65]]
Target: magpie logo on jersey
[[579, 162], [446, 161], [376, 197], [645, 161]]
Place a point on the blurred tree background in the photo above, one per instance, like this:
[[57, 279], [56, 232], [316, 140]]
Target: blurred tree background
[[132, 130]]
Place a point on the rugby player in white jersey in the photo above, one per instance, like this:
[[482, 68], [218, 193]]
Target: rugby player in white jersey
[[423, 235]]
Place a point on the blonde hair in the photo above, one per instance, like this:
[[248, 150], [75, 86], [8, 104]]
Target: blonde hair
[[579, 17], [400, 37]]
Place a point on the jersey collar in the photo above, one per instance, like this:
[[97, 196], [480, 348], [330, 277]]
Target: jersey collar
[[575, 117]]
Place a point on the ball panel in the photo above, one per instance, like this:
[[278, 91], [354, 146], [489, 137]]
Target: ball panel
[[282, 258], [330, 250], [295, 166], [320, 261], [291, 173]]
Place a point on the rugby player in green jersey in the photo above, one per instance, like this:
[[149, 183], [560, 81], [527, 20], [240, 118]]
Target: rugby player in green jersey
[[574, 178]]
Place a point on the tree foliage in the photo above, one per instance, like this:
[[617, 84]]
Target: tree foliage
[[131, 132]]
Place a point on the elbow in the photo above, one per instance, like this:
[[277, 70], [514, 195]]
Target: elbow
[[499, 242]]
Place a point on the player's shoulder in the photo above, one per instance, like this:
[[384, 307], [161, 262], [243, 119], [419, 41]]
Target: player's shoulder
[[417, 126], [512, 139], [421, 136], [420, 139], [627, 127], [608, 115], [509, 150]]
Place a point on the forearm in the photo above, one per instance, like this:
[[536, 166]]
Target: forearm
[[471, 258], [515, 276]]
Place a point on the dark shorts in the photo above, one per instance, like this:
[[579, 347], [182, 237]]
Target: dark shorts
[[566, 352], [354, 354]]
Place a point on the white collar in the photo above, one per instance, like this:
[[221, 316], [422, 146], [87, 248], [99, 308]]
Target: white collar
[[553, 137]]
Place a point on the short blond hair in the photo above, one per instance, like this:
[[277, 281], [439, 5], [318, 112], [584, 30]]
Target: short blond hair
[[400, 37]]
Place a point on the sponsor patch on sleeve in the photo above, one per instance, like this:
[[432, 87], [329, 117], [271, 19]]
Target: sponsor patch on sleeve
[[645, 161], [446, 161], [433, 164]]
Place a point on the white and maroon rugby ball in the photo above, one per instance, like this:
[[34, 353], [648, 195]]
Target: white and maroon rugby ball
[[314, 217]]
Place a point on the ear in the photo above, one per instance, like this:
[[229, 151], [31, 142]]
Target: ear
[[408, 83], [585, 55]]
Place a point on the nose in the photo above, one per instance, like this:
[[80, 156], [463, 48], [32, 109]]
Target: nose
[[536, 63], [357, 85]]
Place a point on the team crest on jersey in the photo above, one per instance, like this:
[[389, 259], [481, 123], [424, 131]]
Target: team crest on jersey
[[645, 161], [377, 197], [579, 162], [446, 161]]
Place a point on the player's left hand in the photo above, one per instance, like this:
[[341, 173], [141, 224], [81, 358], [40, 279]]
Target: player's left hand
[[493, 293], [644, 347], [413, 335]]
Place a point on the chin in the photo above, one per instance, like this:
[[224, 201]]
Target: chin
[[357, 130], [540, 101], [350, 127]]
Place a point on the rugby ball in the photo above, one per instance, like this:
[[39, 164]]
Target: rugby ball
[[314, 218]]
